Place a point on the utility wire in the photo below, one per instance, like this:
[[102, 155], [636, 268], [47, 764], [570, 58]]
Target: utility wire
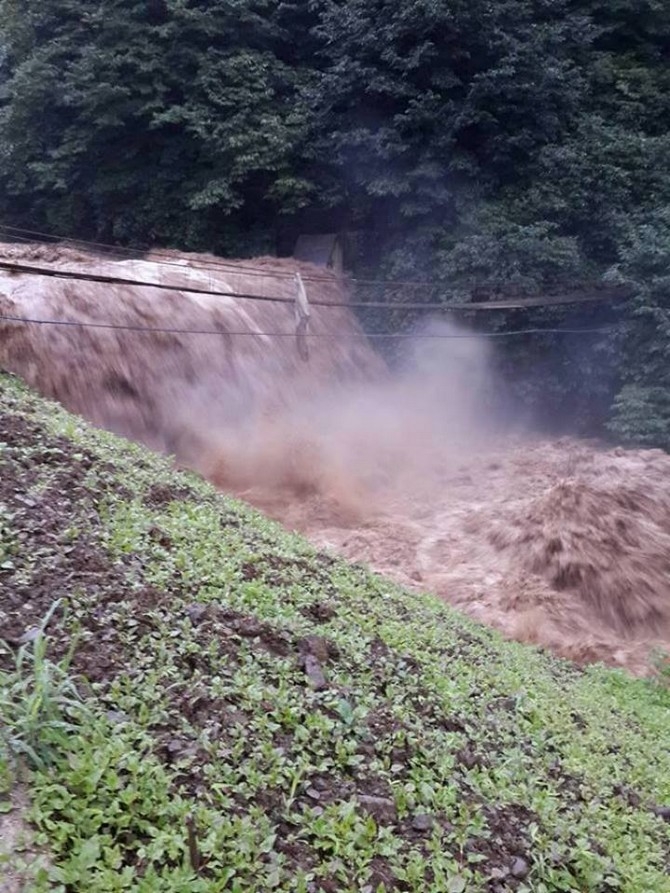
[[130, 253], [14, 267], [29, 236], [70, 275], [324, 335]]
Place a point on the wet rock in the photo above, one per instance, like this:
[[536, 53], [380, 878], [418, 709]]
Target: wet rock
[[195, 613], [314, 652], [663, 812], [382, 809], [315, 673], [520, 869], [318, 647], [422, 822]]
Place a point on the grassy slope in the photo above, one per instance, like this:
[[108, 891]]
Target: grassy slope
[[436, 757]]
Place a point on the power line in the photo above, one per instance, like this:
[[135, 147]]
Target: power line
[[131, 253], [323, 335], [14, 267], [239, 267], [28, 236]]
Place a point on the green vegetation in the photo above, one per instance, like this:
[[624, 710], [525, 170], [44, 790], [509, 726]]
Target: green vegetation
[[38, 702], [479, 145], [260, 716]]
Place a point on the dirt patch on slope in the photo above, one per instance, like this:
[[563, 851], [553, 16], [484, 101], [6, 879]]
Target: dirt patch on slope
[[51, 537], [49, 548]]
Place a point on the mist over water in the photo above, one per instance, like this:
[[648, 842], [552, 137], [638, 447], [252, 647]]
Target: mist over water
[[362, 439], [405, 468]]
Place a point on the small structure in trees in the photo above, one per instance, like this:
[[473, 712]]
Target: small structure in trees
[[325, 250]]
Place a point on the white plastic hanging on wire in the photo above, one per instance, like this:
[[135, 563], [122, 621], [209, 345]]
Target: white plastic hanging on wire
[[302, 315]]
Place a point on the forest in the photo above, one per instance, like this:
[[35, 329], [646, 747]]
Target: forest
[[473, 147]]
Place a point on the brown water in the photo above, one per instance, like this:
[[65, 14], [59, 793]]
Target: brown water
[[160, 388], [556, 543]]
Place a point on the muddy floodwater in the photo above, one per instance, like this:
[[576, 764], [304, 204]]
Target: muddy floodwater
[[558, 544], [563, 544]]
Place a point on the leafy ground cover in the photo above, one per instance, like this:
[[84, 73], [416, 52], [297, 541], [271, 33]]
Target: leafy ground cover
[[252, 715]]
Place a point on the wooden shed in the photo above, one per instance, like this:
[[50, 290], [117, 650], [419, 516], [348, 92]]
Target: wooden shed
[[323, 250]]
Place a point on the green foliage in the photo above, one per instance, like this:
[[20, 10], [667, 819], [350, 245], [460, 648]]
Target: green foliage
[[209, 721], [642, 407], [662, 666], [107, 807], [417, 99], [39, 703], [145, 121], [8, 544]]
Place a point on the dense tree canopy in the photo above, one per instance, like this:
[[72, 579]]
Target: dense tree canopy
[[151, 121], [523, 143]]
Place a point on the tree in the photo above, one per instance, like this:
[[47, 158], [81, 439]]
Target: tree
[[164, 121], [641, 411], [424, 107]]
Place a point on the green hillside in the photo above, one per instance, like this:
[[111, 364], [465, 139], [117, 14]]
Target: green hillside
[[259, 716]]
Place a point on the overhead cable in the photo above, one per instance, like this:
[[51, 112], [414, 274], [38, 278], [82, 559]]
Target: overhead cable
[[30, 269], [341, 336], [239, 267]]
